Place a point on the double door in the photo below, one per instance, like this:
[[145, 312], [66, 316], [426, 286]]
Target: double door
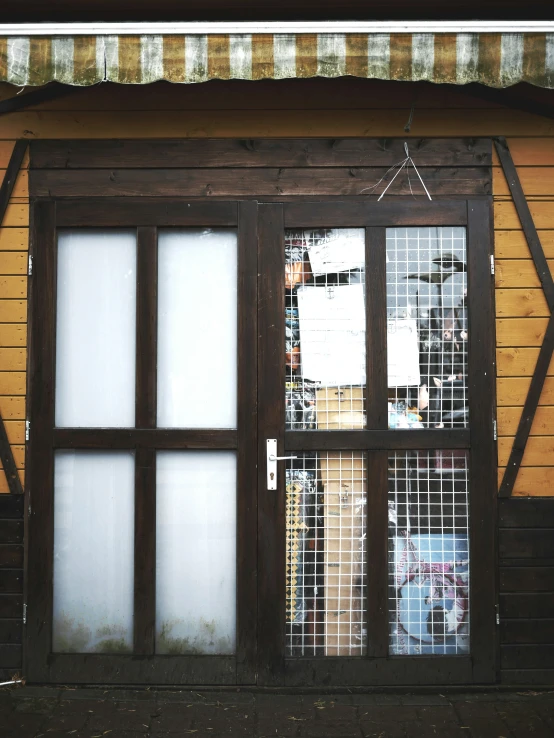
[[262, 443]]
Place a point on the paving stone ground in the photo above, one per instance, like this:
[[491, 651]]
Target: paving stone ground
[[41, 712]]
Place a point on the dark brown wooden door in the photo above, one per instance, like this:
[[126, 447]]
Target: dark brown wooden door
[[142, 484], [376, 378]]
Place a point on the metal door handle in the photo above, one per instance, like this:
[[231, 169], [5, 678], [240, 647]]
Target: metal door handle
[[272, 460]]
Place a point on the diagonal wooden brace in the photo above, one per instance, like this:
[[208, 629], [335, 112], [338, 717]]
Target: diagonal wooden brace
[[547, 348], [6, 189]]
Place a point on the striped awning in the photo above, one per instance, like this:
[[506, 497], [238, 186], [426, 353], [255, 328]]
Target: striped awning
[[492, 59]]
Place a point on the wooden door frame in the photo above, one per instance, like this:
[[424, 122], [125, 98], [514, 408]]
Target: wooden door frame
[[377, 667], [143, 666]]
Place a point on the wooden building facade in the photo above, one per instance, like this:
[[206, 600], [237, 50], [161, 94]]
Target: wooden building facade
[[261, 156]]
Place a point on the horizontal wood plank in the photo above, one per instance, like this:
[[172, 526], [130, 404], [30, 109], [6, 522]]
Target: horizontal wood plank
[[15, 430], [11, 656], [521, 303], [512, 244], [518, 361], [526, 543], [531, 482], [183, 153], [324, 122], [239, 182], [528, 605], [526, 631], [513, 391], [539, 451], [4, 487], [508, 420], [506, 218], [528, 152], [13, 311], [11, 360], [21, 185], [297, 94], [13, 262], [17, 216], [12, 408], [527, 677], [150, 211], [520, 331], [525, 513], [18, 455], [535, 181], [6, 149], [11, 631], [527, 579], [527, 656], [13, 287], [11, 507], [11, 581], [12, 382], [13, 335], [11, 531], [11, 556], [517, 273]]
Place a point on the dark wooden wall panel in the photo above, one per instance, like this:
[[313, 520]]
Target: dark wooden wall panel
[[526, 546], [11, 584]]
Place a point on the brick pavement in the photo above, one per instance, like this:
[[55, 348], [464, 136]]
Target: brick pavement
[[37, 712]]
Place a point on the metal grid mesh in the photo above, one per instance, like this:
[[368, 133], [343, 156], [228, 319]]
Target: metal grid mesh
[[427, 328], [428, 552], [325, 328], [325, 555]]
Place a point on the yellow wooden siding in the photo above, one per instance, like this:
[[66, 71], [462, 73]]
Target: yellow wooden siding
[[261, 110]]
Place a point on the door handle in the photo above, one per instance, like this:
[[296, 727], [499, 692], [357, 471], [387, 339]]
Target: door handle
[[272, 460]]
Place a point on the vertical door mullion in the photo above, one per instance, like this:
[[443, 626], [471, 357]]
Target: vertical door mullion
[[271, 424], [247, 437], [145, 459], [39, 484], [482, 461], [377, 419]]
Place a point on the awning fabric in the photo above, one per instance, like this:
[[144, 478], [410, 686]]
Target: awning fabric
[[493, 59]]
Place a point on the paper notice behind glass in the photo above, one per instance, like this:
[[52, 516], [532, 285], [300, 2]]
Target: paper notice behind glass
[[402, 353], [340, 250], [332, 334]]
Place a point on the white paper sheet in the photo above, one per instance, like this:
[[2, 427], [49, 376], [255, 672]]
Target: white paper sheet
[[341, 250], [332, 334], [402, 353]]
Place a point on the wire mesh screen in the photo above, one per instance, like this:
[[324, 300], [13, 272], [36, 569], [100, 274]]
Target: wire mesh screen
[[428, 552], [427, 331], [325, 328], [325, 555]]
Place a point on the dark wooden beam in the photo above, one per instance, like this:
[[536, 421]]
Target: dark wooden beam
[[6, 189], [509, 97], [547, 348], [14, 165], [42, 94]]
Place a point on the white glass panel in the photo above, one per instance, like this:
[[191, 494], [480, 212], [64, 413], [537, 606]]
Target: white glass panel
[[93, 552], [197, 329], [96, 309], [196, 552]]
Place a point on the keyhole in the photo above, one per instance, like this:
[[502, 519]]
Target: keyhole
[[272, 475]]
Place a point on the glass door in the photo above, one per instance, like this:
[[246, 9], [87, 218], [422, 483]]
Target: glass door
[[143, 432], [376, 383]]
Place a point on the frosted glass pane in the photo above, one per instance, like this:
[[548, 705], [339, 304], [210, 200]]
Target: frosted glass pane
[[96, 309], [93, 552], [197, 329], [196, 552]]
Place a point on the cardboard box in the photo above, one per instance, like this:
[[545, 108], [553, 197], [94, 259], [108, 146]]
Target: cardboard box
[[340, 408], [344, 495]]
